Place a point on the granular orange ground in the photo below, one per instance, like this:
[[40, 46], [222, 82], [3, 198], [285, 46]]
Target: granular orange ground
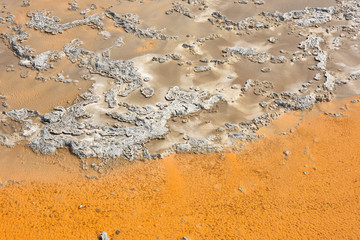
[[259, 193]]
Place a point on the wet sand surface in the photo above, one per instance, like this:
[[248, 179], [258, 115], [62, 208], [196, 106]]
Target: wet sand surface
[[199, 119], [312, 194]]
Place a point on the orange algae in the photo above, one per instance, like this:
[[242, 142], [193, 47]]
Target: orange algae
[[313, 193]]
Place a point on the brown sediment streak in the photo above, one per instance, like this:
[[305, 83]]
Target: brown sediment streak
[[311, 194]]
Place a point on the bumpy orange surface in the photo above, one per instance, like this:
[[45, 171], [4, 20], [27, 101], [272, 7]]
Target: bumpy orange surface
[[314, 193]]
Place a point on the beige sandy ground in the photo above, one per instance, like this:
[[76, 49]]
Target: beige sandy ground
[[314, 194]]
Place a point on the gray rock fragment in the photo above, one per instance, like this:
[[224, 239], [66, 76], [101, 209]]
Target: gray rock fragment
[[265, 69], [317, 77], [258, 2], [311, 42], [308, 17], [280, 59], [198, 69], [238, 136], [147, 92], [129, 23], [39, 62], [73, 6], [22, 114], [263, 104], [295, 102], [249, 53], [85, 11], [41, 20], [110, 97], [247, 85], [316, 16], [329, 84], [183, 147], [355, 75], [179, 8], [104, 236], [26, 3], [272, 39]]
